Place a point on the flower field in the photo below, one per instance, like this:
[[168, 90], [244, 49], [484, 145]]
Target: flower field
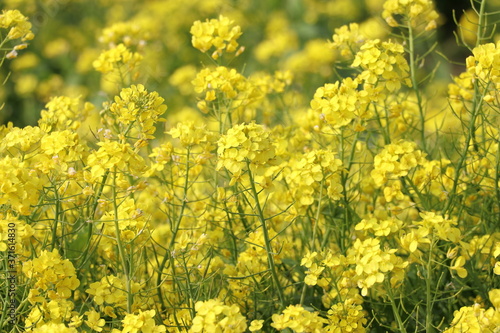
[[248, 166]]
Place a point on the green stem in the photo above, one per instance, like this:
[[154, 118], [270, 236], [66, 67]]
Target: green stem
[[384, 129], [477, 104], [429, 299], [316, 218], [267, 240], [121, 248], [414, 82], [175, 229], [56, 218], [395, 309], [313, 240], [481, 31], [92, 215]]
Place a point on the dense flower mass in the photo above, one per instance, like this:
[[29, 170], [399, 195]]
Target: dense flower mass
[[339, 104], [117, 58], [220, 34], [383, 62], [304, 185], [137, 111], [214, 316], [246, 146]]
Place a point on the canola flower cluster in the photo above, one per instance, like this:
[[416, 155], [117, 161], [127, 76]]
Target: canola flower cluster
[[217, 33], [248, 204], [17, 28]]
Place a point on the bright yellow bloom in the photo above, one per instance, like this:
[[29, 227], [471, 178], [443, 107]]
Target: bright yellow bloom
[[383, 63], [94, 320], [110, 294], [474, 319], [52, 274], [246, 144], [17, 24], [218, 33], [458, 266], [347, 39], [347, 316], [396, 160], [140, 108], [143, 322], [117, 57], [256, 325], [340, 103], [19, 184], [298, 319], [191, 135], [52, 327], [62, 113], [305, 175], [214, 316], [220, 80], [133, 33], [20, 139], [113, 155]]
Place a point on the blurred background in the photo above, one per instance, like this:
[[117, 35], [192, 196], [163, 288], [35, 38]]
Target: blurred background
[[277, 35]]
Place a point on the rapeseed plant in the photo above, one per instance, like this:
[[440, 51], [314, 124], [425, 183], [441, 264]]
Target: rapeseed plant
[[296, 184]]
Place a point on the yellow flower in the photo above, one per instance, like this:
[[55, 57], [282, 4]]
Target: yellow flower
[[220, 80], [413, 12], [214, 316], [396, 160], [313, 274], [494, 296], [256, 325], [305, 175], [340, 103], [142, 322], [373, 263], [110, 294], [246, 143], [457, 266], [94, 320], [52, 327], [190, 135], [116, 58], [442, 227], [347, 316], [218, 33], [133, 33], [496, 269], [298, 319], [140, 108], [474, 319], [308, 259], [52, 274], [383, 63], [111, 155], [62, 113], [347, 39], [19, 184], [18, 25]]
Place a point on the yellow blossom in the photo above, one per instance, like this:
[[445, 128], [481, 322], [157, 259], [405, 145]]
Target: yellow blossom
[[218, 33], [115, 58], [17, 24]]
